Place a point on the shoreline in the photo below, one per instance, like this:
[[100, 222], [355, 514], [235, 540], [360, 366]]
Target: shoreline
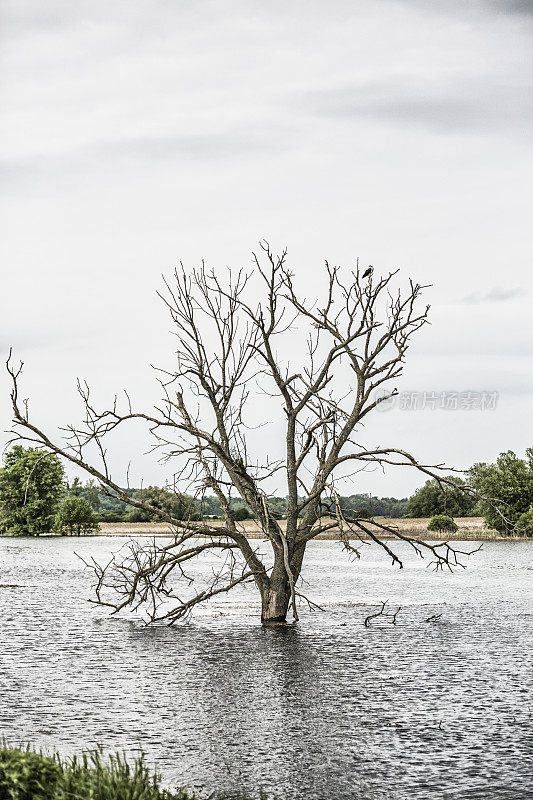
[[470, 529]]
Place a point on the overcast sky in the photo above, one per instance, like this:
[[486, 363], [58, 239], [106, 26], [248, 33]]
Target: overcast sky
[[137, 134]]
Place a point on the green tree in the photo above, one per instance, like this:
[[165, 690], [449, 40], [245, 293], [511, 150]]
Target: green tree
[[442, 523], [75, 516], [88, 490], [209, 506], [240, 513], [363, 513], [31, 485], [176, 505], [524, 524], [432, 499], [510, 480], [112, 509]]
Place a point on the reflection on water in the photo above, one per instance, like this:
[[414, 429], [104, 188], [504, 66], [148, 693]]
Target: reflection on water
[[322, 709]]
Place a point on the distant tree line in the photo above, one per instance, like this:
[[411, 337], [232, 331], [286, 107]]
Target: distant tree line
[[182, 506], [36, 498]]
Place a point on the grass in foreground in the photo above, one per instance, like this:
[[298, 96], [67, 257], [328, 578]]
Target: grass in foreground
[[28, 775]]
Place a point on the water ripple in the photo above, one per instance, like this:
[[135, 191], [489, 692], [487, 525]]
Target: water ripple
[[323, 709]]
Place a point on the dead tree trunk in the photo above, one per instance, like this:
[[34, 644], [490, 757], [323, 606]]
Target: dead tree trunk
[[281, 592], [276, 599]]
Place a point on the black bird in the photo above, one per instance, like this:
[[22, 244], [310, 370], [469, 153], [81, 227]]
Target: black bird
[[368, 271]]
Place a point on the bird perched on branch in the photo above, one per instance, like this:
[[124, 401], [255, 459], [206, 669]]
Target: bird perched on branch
[[368, 271]]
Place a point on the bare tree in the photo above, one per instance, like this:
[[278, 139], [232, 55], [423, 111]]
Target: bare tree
[[356, 340]]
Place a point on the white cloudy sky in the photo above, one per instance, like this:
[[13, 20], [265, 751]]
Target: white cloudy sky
[[135, 134]]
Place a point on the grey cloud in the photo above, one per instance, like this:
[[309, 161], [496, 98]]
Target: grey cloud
[[499, 295], [458, 106], [222, 145], [494, 295], [23, 17], [475, 7], [36, 335], [512, 6], [20, 17], [119, 154]]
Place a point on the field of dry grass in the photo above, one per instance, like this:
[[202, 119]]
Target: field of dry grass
[[469, 528]]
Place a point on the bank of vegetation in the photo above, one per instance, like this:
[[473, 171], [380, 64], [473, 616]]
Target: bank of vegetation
[[36, 498], [29, 775]]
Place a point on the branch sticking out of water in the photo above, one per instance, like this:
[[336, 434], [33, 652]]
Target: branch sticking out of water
[[382, 613]]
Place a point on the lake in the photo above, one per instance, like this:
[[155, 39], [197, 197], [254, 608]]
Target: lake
[[324, 708]]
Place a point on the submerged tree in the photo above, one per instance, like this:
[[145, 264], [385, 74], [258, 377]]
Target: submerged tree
[[356, 340]]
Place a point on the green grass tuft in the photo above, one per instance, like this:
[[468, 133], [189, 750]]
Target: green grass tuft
[[29, 775]]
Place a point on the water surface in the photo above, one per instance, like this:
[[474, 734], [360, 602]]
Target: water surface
[[322, 709]]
